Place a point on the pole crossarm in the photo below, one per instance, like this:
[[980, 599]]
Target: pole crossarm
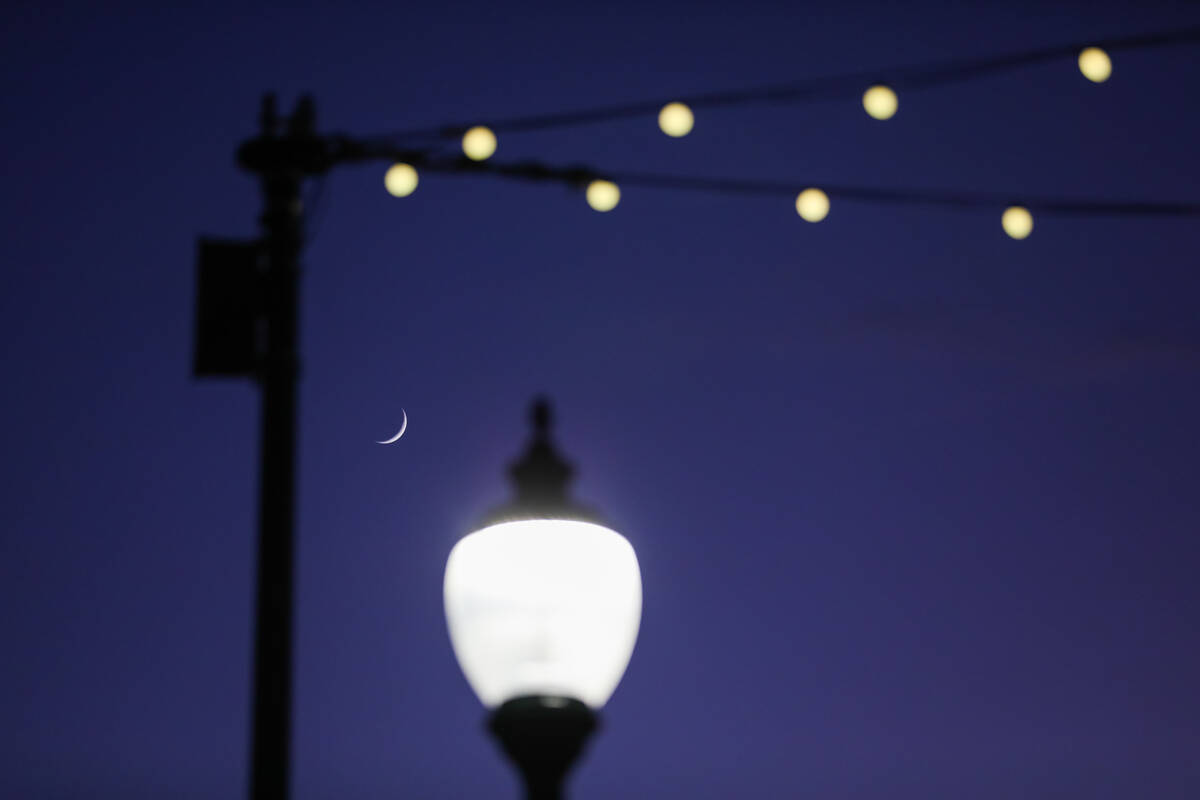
[[312, 155]]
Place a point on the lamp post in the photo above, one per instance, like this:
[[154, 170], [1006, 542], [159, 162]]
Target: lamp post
[[543, 603]]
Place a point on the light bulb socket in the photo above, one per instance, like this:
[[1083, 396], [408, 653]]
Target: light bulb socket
[[543, 736]]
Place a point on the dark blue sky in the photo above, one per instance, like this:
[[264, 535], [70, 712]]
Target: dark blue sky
[[916, 504]]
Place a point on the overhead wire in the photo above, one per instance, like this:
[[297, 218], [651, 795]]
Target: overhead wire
[[920, 76], [904, 78], [581, 175]]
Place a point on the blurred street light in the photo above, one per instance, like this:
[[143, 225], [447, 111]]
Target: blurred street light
[[543, 604]]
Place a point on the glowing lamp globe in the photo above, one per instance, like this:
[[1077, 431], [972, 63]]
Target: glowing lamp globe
[[603, 195], [479, 143], [1095, 64], [676, 119], [1017, 222], [880, 102], [812, 205], [543, 607], [400, 180], [543, 603]]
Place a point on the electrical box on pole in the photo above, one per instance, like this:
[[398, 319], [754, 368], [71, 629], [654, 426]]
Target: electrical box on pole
[[228, 308]]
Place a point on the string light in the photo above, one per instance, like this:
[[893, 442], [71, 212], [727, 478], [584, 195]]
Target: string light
[[400, 180], [812, 205], [603, 195], [920, 76], [479, 143], [1095, 64], [880, 102], [1017, 222], [676, 119]]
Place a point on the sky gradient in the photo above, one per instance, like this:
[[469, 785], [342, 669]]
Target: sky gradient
[[915, 504]]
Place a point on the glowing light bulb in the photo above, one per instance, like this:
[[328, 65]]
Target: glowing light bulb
[[812, 205], [543, 607], [1017, 222], [676, 119], [880, 102], [1095, 64], [400, 180], [479, 143], [603, 195]]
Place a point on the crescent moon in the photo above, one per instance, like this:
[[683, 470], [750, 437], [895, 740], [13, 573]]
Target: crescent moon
[[403, 425]]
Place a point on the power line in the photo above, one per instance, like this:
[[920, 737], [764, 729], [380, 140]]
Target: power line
[[922, 76], [580, 175]]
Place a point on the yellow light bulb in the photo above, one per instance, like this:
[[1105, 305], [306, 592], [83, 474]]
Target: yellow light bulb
[[1095, 64], [1017, 222], [676, 119], [479, 143], [880, 102], [603, 195], [812, 205], [400, 180]]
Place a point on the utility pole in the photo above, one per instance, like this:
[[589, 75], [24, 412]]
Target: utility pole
[[282, 223], [247, 313], [247, 308]]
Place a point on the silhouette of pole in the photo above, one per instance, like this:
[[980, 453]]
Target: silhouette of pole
[[543, 736], [282, 163], [276, 541]]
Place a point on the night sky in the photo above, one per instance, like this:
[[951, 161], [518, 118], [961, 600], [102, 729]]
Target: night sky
[[916, 504]]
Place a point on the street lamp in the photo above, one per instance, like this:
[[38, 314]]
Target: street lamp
[[543, 603]]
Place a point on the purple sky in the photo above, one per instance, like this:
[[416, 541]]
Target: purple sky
[[916, 504]]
